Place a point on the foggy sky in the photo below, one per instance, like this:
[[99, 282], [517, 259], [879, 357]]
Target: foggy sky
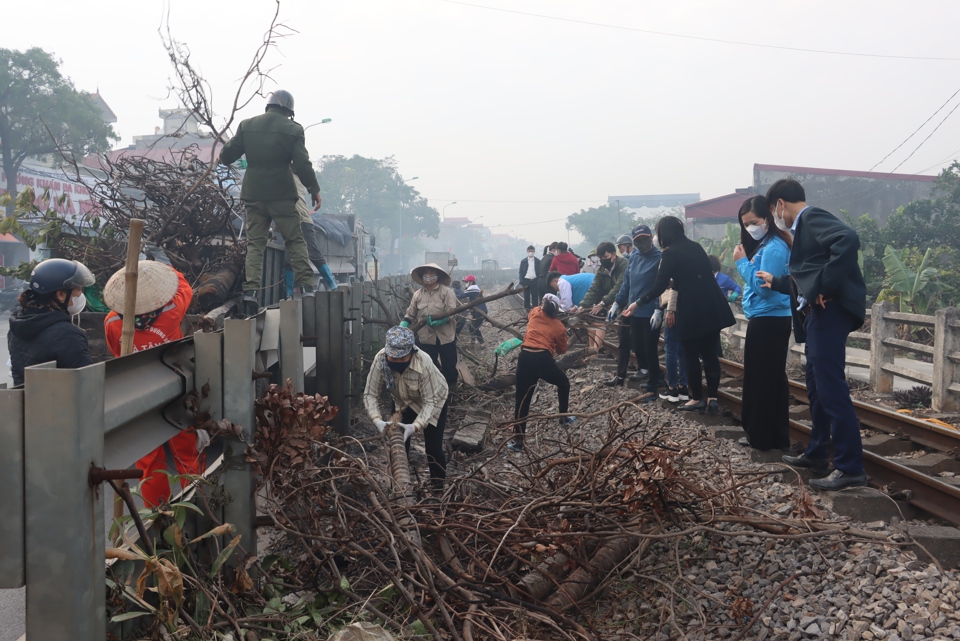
[[489, 106]]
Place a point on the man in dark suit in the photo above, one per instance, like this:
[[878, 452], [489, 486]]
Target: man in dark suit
[[529, 273], [831, 295]]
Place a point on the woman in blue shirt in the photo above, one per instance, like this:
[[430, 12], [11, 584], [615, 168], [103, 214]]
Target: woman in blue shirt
[[766, 392]]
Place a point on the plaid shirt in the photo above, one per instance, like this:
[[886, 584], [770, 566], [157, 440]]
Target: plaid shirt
[[420, 387]]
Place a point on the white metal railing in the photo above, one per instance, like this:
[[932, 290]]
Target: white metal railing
[[883, 341]]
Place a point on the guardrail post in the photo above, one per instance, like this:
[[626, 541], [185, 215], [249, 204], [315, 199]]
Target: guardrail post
[[946, 354], [11, 480], [209, 371], [355, 336], [880, 353], [291, 347], [65, 541], [239, 352]]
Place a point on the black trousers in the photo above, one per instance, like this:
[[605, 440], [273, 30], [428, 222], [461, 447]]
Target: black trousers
[[531, 368], [447, 363], [766, 392], [432, 442], [531, 295], [646, 342], [705, 348], [625, 344]]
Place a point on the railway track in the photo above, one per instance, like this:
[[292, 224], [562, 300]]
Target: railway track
[[923, 491]]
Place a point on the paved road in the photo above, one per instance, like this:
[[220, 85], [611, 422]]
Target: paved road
[[11, 601]]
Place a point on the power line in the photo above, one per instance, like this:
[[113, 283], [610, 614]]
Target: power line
[[927, 138], [917, 130], [701, 38]]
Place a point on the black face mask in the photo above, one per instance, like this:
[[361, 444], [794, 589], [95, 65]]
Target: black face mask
[[606, 263], [643, 243], [399, 368]]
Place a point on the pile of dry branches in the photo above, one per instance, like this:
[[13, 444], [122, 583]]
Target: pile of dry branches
[[496, 555]]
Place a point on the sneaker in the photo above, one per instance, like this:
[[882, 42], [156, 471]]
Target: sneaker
[[839, 480], [670, 394], [566, 421], [515, 445], [615, 381], [698, 407], [683, 393], [648, 397], [815, 464]]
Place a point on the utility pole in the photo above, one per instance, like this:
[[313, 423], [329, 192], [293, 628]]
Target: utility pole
[[619, 219]]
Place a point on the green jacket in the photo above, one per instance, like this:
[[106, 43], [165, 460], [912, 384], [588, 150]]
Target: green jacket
[[606, 284], [271, 142]]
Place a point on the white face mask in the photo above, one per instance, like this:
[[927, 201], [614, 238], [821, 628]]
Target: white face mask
[[594, 260], [430, 280], [531, 254], [757, 231], [778, 219], [77, 303]]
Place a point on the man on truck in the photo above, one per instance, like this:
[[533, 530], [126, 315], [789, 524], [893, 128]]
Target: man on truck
[[271, 142]]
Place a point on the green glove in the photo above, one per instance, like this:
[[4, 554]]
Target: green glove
[[507, 346], [732, 296], [404, 323], [436, 323]]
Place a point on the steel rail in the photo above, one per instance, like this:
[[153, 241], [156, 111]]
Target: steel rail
[[923, 433], [926, 493]]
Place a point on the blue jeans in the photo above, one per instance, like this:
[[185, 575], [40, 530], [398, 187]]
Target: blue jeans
[[831, 407], [673, 354]]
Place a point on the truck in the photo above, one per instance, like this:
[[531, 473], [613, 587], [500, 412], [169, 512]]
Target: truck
[[344, 244], [443, 259]]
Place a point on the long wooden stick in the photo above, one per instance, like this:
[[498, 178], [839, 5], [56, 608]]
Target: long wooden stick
[[462, 308], [130, 286]]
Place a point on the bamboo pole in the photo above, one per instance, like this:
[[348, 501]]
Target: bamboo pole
[[130, 286]]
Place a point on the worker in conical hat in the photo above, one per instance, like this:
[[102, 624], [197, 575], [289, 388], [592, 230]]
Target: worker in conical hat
[[163, 297]]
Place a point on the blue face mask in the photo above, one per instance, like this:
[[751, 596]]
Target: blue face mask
[[399, 368]]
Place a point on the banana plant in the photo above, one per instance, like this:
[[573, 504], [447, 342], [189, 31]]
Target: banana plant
[[913, 291]]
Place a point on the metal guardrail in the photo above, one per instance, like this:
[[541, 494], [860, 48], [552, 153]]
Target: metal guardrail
[[63, 422], [944, 380]]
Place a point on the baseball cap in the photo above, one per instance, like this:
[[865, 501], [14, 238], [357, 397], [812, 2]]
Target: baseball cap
[[641, 230]]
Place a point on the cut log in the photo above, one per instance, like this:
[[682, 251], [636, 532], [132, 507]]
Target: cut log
[[215, 287], [583, 579], [400, 470], [570, 360]]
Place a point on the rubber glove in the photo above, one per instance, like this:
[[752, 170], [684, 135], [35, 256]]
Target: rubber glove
[[732, 296], [612, 314], [656, 320], [507, 346], [436, 323], [404, 323], [381, 424], [408, 430], [328, 278]]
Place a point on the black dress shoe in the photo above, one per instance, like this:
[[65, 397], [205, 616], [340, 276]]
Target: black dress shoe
[[698, 407], [639, 377], [817, 465], [713, 408], [615, 381], [839, 480]]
